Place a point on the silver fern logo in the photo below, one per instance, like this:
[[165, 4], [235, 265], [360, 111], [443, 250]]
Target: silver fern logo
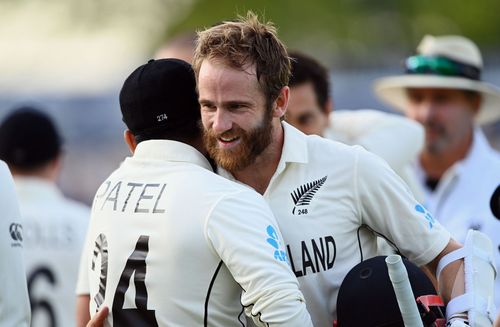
[[303, 195]]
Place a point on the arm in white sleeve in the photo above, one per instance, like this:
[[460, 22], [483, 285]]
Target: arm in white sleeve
[[243, 232], [388, 207], [14, 301], [394, 138]]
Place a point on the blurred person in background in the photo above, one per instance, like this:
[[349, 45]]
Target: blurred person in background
[[181, 46], [396, 139], [54, 226], [14, 302], [457, 168]]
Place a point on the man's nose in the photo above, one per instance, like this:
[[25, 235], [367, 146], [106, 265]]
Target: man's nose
[[426, 111], [222, 121]]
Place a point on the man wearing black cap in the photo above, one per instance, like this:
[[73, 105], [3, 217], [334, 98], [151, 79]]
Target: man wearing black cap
[[54, 226], [171, 243]]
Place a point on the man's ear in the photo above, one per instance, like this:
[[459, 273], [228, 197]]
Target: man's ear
[[130, 140], [328, 107], [476, 102], [282, 102]]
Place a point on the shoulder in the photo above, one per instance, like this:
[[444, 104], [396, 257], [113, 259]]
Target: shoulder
[[324, 157], [323, 148], [371, 118], [299, 147], [7, 186], [312, 155], [9, 205], [234, 193], [395, 138], [4, 172]]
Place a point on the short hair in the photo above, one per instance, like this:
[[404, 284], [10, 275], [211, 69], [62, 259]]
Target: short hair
[[247, 41], [29, 139], [307, 69]]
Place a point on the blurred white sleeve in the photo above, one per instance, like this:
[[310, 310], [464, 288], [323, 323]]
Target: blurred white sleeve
[[396, 139], [14, 301]]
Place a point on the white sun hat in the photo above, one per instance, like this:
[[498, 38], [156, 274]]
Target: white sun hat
[[442, 62]]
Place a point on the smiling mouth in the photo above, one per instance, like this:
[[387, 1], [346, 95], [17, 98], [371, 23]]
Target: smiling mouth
[[228, 139], [228, 142]]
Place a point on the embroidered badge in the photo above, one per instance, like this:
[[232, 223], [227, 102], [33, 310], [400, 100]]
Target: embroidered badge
[[303, 195]]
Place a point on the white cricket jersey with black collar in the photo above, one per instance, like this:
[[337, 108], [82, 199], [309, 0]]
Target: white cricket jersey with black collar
[[462, 198], [54, 230], [14, 302], [331, 201], [173, 244]]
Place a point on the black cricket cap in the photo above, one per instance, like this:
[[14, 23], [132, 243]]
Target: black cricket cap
[[160, 96], [28, 139], [366, 297]]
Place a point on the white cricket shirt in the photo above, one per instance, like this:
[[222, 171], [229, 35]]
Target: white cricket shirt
[[54, 230], [173, 244], [461, 200], [14, 302], [331, 201]]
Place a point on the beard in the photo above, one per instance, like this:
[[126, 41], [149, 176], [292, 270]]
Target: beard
[[439, 141], [252, 144]]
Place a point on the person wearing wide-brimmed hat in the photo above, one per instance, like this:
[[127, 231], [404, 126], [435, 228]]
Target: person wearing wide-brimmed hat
[[459, 171]]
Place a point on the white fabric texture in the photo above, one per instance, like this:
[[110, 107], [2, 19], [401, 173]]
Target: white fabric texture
[[54, 228], [396, 139], [202, 240], [330, 201], [14, 302]]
